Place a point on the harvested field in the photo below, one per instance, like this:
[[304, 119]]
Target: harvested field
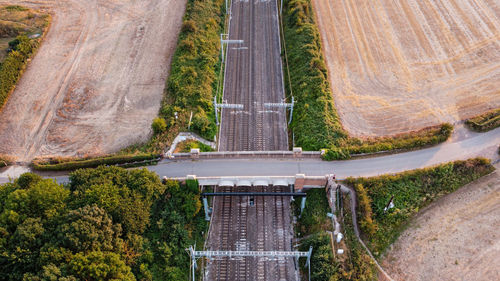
[[97, 81], [455, 238], [398, 66]]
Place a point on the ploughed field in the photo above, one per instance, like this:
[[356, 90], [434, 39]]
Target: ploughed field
[[397, 66], [96, 82]]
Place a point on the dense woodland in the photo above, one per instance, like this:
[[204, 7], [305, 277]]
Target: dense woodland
[[106, 224]]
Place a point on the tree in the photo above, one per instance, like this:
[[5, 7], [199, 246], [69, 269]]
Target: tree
[[89, 229], [100, 266]]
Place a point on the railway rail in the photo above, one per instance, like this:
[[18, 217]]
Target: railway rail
[[263, 226]]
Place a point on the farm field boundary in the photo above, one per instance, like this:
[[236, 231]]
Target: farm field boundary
[[316, 124]]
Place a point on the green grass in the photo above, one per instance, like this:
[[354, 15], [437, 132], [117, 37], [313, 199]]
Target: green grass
[[69, 164], [187, 145], [314, 227], [314, 217], [412, 190], [316, 124], [485, 122]]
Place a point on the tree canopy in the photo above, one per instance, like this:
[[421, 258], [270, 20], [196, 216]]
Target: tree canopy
[[108, 223]]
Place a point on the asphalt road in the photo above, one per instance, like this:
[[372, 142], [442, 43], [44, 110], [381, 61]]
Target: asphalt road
[[462, 145], [253, 76]]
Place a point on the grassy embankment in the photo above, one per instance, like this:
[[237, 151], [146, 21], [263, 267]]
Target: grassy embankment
[[315, 227], [194, 76], [316, 124], [17, 24], [412, 190], [485, 122], [106, 224], [187, 145]]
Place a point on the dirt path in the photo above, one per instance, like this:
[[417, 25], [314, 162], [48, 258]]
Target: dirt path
[[97, 80], [455, 238], [397, 66]]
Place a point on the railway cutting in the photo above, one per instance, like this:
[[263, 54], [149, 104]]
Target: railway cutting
[[253, 81]]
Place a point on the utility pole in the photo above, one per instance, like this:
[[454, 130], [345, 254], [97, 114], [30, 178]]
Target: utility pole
[[224, 105], [283, 105], [227, 41]]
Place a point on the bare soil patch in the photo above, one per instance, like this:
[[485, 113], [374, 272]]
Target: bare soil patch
[[455, 238], [398, 66], [97, 81]]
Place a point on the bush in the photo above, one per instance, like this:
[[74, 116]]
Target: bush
[[159, 125], [73, 164], [193, 74], [485, 122], [412, 190], [336, 154]]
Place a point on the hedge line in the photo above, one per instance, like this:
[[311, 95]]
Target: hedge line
[[426, 137], [485, 122], [412, 190], [193, 74], [316, 124], [13, 66], [67, 164]]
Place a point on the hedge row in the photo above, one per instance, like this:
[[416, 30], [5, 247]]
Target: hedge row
[[426, 137], [13, 66], [193, 74], [67, 164], [412, 190], [485, 122], [316, 124]]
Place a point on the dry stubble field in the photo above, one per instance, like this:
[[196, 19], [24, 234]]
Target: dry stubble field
[[97, 80], [397, 66], [454, 238]]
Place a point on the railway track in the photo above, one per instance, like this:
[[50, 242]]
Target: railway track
[[253, 76], [263, 226]]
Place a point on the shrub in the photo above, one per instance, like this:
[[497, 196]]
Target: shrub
[[485, 122], [73, 164], [159, 125], [335, 154], [193, 74]]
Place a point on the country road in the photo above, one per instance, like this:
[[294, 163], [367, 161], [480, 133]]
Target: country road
[[463, 145]]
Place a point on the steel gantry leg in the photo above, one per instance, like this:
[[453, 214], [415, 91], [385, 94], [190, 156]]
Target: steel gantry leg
[[207, 210], [302, 205]]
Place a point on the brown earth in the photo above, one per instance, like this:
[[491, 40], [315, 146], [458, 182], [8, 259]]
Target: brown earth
[[397, 66], [97, 80], [455, 238]]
